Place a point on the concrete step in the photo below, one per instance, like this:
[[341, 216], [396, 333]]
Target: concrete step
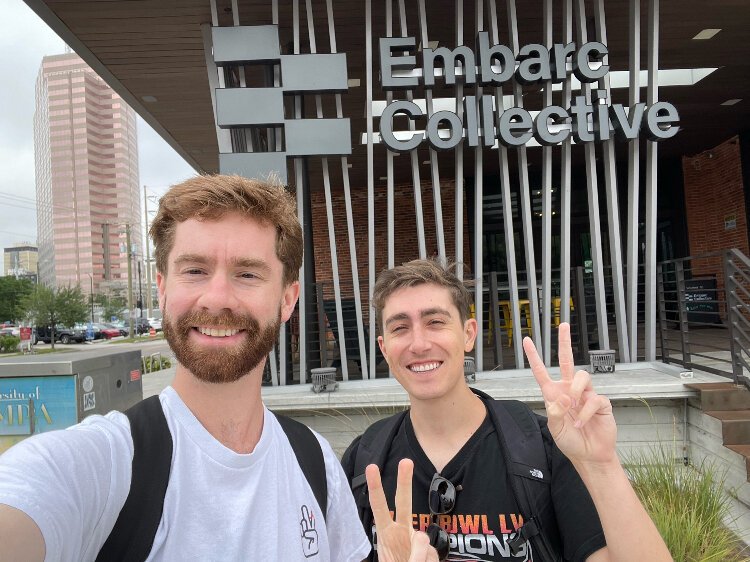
[[735, 425], [722, 396], [743, 450]]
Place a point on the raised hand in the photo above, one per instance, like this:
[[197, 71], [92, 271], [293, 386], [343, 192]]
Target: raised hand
[[579, 419], [397, 541]]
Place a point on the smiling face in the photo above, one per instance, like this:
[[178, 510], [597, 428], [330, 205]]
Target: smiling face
[[424, 340], [223, 297]]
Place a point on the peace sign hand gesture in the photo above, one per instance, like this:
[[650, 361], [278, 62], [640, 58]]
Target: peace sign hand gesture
[[580, 420], [397, 541]]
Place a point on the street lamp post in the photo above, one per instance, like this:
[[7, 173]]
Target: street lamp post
[[130, 280], [91, 296]]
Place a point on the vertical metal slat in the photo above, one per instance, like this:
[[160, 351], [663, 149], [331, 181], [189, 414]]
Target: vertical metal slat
[[634, 150], [652, 94], [613, 207]]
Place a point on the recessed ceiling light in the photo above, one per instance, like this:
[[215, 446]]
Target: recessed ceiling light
[[149, 99], [706, 34], [353, 82], [383, 178], [731, 102], [426, 162]]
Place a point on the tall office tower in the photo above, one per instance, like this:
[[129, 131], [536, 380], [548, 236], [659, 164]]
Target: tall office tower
[[87, 184]]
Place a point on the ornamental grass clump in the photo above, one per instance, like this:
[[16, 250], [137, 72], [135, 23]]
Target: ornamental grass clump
[[688, 505]]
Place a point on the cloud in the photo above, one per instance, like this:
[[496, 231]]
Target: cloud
[[24, 41]]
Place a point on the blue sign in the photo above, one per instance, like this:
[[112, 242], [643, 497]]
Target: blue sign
[[51, 400]]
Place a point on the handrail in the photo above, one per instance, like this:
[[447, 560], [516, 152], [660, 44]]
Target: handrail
[[722, 305]]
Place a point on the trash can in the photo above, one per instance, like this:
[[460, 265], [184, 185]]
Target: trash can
[[602, 361], [324, 379], [41, 393], [469, 370]]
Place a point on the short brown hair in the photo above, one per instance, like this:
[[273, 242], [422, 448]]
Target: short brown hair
[[210, 197], [420, 272]]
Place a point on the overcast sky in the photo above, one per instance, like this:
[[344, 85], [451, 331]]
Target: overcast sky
[[24, 40]]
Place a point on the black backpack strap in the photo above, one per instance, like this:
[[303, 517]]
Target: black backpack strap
[[373, 448], [309, 457], [133, 535], [521, 443], [370, 448]]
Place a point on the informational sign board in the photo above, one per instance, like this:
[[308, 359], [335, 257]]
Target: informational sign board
[[701, 300], [30, 405]]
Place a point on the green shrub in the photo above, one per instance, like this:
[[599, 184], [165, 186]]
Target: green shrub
[[688, 505], [9, 344], [155, 363]]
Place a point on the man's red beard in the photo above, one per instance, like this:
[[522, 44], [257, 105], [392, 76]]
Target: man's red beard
[[220, 365]]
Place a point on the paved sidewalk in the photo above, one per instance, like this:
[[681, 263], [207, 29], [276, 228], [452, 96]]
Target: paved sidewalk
[[154, 383]]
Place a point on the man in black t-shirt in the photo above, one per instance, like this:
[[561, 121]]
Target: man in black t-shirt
[[422, 312]]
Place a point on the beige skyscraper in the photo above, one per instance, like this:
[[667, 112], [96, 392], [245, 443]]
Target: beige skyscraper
[[87, 184]]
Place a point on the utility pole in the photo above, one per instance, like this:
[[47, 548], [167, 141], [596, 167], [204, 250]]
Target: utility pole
[[130, 279], [91, 296], [107, 263], [148, 258]]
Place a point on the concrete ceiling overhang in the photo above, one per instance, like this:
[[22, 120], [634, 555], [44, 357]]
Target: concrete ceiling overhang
[[151, 52]]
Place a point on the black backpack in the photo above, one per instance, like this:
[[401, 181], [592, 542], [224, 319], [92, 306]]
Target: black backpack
[[133, 535], [521, 444]]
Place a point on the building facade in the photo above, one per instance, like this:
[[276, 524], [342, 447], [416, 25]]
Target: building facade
[[560, 151], [20, 261], [88, 197]]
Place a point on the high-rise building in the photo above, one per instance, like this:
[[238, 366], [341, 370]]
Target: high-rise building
[[87, 184], [21, 260]]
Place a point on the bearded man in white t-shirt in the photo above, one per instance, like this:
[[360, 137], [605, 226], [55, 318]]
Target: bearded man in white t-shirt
[[228, 252]]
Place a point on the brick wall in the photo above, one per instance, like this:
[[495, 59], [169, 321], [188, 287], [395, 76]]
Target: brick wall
[[714, 193], [405, 228]]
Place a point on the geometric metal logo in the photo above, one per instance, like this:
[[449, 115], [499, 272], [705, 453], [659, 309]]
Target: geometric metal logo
[[264, 107]]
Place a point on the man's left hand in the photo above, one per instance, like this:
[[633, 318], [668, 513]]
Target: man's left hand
[[580, 420]]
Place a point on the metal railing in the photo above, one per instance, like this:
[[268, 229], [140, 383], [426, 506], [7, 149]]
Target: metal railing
[[703, 318], [704, 313]]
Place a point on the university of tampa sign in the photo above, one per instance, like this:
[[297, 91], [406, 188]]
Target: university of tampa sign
[[493, 65]]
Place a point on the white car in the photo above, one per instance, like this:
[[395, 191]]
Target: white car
[[155, 323]]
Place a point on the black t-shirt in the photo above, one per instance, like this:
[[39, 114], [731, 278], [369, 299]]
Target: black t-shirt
[[486, 516]]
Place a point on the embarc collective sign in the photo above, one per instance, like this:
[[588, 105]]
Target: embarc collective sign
[[515, 126]]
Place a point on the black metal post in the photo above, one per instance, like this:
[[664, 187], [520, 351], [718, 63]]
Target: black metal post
[[682, 311], [579, 294]]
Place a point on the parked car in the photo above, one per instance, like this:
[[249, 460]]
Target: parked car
[[155, 323], [122, 326], [109, 331], [10, 331], [140, 326], [62, 334], [97, 333]]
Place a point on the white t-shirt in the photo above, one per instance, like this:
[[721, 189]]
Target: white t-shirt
[[219, 505]]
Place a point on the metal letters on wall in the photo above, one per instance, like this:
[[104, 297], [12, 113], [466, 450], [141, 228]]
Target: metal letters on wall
[[484, 123]]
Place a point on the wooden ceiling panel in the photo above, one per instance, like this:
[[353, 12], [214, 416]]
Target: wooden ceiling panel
[[155, 48]]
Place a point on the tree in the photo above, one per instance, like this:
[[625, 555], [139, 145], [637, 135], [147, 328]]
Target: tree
[[56, 306], [111, 305], [12, 293]]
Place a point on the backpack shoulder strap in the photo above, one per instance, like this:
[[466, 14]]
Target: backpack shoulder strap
[[309, 457], [133, 534], [373, 447], [521, 443]]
